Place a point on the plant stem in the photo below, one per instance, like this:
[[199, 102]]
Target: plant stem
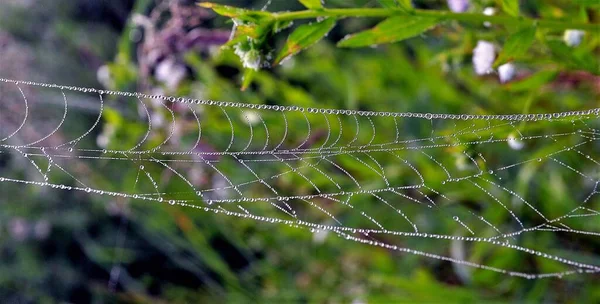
[[442, 15]]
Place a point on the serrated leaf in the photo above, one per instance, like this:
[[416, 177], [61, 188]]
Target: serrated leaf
[[511, 7], [312, 4], [236, 12], [390, 30], [405, 5], [305, 36], [516, 45]]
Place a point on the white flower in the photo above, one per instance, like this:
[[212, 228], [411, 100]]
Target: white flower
[[515, 143], [114, 208], [488, 11], [18, 229], [102, 141], [157, 119], [288, 63], [458, 252], [170, 73], [459, 6], [220, 186], [319, 236], [461, 162], [213, 50], [104, 77], [506, 72], [103, 138], [484, 55], [573, 37], [41, 229], [250, 58], [251, 117]]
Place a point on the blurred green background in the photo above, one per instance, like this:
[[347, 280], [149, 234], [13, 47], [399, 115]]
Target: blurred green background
[[63, 248]]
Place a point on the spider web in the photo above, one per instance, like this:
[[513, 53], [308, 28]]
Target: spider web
[[390, 180]]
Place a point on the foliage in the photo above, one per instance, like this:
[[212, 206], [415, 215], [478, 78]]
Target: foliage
[[323, 76], [402, 21], [177, 256]]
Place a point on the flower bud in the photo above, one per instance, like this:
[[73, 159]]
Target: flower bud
[[506, 72], [515, 143], [459, 6], [488, 11], [170, 73], [19, 229], [573, 37], [250, 57], [251, 117], [484, 55]]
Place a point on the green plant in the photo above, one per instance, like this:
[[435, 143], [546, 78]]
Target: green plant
[[254, 30]]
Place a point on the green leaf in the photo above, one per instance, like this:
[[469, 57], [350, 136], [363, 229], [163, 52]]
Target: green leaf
[[235, 40], [516, 45], [305, 36], [247, 78], [511, 7], [393, 29], [404, 5], [312, 4], [251, 30], [592, 3], [582, 60], [245, 32], [533, 82], [583, 16], [236, 12], [279, 26], [113, 117]]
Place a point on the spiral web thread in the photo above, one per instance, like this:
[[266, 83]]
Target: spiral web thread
[[376, 178]]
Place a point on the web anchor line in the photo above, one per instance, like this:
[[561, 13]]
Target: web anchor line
[[372, 178], [511, 117]]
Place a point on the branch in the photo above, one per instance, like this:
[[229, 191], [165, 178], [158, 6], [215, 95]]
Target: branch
[[441, 15]]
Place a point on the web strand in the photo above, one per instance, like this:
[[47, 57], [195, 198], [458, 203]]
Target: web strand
[[374, 178]]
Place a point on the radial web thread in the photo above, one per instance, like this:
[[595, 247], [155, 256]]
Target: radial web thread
[[377, 178]]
